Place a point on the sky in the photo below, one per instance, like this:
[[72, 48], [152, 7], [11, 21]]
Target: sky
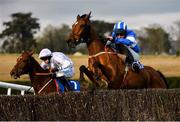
[[136, 13]]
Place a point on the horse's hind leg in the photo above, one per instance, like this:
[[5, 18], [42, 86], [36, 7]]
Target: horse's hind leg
[[88, 73]]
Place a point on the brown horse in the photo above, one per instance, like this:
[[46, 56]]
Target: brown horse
[[41, 79], [105, 67]]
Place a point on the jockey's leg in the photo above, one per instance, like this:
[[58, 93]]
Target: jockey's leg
[[129, 57], [124, 50], [59, 86], [64, 81]]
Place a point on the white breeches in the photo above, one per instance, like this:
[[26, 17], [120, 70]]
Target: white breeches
[[134, 54]]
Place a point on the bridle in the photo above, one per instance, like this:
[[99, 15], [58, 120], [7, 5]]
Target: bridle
[[84, 35], [25, 71], [30, 69]]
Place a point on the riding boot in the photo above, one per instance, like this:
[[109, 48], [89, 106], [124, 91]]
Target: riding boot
[[129, 57], [135, 65]]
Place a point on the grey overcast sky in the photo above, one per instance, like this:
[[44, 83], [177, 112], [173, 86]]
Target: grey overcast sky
[[136, 13]]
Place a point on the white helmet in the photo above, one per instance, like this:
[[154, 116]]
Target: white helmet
[[45, 53]]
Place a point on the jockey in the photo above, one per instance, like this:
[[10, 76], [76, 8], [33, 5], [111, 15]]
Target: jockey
[[125, 43], [57, 63]]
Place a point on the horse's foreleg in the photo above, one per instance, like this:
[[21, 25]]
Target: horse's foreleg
[[100, 75], [88, 73], [81, 75]]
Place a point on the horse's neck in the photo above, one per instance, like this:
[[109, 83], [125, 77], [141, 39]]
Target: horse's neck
[[38, 81], [95, 45], [36, 68]]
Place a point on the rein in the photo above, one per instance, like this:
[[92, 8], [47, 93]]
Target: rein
[[100, 53], [44, 86], [43, 73]]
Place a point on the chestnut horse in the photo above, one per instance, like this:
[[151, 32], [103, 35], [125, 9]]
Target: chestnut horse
[[106, 68], [41, 79], [26, 64]]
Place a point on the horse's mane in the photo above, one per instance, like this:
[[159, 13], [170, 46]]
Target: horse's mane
[[102, 39], [35, 62]]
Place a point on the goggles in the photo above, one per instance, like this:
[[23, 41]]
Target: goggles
[[120, 32], [45, 58]]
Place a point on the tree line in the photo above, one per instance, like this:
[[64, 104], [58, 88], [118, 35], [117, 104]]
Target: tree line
[[19, 35]]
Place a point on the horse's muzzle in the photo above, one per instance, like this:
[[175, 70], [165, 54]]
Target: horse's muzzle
[[71, 43], [14, 75]]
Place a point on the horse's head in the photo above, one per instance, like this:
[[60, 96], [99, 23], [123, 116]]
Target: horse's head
[[80, 30], [23, 64]]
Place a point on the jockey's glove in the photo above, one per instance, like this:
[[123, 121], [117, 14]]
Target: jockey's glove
[[53, 70], [53, 75], [108, 43]]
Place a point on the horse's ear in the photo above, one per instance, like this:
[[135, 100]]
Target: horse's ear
[[89, 15], [78, 17], [31, 52]]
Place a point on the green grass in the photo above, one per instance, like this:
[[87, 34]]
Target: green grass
[[173, 82]]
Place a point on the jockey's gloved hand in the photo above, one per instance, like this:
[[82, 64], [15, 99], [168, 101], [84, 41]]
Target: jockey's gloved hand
[[108, 43], [53, 70], [53, 75]]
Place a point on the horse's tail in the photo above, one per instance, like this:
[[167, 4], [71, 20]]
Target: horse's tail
[[163, 77]]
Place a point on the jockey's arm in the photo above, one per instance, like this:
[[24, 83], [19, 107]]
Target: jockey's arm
[[62, 63], [123, 41], [53, 70], [136, 48], [66, 64]]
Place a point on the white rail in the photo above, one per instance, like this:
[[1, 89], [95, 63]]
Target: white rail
[[11, 86]]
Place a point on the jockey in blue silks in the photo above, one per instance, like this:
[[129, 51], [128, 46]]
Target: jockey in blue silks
[[125, 43]]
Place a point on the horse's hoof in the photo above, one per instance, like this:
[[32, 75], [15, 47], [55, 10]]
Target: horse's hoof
[[103, 84]]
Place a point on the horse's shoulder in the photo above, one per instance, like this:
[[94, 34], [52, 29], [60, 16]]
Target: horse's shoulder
[[149, 68]]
